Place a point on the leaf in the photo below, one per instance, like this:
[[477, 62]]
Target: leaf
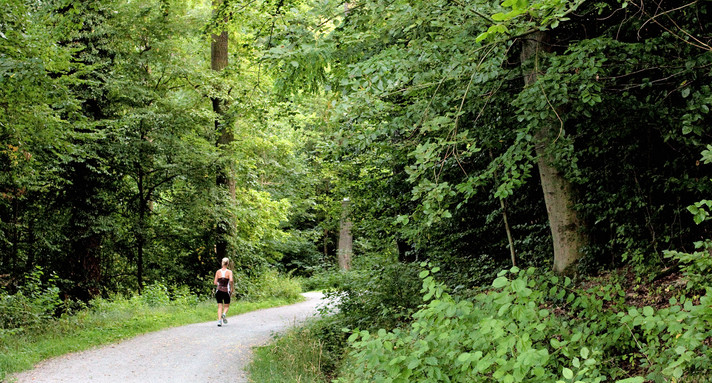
[[568, 374], [500, 282], [482, 36], [413, 364], [636, 379]]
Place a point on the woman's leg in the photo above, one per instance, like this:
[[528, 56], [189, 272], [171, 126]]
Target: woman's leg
[[220, 307]]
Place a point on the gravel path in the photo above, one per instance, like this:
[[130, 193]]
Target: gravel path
[[195, 353]]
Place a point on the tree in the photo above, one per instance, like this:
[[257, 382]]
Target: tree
[[218, 62], [448, 81], [567, 230]]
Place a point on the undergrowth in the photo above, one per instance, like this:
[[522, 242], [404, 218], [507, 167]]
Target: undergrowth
[[538, 328], [296, 356]]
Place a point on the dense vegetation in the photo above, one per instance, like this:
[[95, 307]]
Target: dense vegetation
[[567, 143]]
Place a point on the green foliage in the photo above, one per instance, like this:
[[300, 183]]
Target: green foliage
[[268, 284], [432, 123], [154, 295], [33, 303], [296, 356], [535, 328], [326, 279], [383, 297], [696, 266]]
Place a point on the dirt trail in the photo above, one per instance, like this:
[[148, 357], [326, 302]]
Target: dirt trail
[[195, 353]]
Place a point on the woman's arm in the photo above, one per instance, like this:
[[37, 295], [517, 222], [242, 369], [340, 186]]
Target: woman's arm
[[215, 281], [232, 284]]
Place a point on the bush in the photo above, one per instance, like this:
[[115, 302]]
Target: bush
[[384, 297], [269, 284], [155, 294], [32, 303], [537, 328], [322, 280], [182, 296]]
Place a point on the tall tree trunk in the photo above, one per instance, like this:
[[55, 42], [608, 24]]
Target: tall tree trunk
[[345, 239], [566, 227], [140, 235], [218, 62]]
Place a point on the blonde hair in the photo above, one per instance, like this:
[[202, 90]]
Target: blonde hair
[[225, 261]]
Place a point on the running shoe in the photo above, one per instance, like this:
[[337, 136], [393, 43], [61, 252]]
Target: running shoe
[[224, 319], [219, 323]]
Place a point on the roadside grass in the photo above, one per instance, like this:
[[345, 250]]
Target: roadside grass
[[295, 356], [107, 322]]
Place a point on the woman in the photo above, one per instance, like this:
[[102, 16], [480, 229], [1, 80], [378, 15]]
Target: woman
[[224, 282]]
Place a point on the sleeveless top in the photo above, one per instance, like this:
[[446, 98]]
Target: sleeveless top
[[223, 283]]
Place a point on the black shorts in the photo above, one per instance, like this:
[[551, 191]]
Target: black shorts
[[222, 297]]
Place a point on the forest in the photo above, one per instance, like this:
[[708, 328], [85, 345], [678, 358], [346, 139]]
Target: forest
[[527, 183]]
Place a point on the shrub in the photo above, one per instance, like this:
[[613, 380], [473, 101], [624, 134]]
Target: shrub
[[383, 297], [155, 294], [322, 280], [270, 284], [33, 302], [182, 296], [537, 328]]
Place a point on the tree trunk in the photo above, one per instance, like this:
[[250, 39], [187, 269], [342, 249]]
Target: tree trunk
[[218, 62], [507, 229], [345, 238], [566, 227], [140, 235], [510, 240]]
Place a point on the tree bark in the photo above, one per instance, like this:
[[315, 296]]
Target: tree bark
[[507, 229], [566, 227], [218, 62], [510, 240], [345, 238]]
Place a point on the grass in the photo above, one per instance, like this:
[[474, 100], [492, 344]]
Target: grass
[[107, 322], [296, 356]]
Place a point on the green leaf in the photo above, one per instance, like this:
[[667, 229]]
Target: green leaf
[[568, 374], [500, 282], [413, 364], [636, 379]]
